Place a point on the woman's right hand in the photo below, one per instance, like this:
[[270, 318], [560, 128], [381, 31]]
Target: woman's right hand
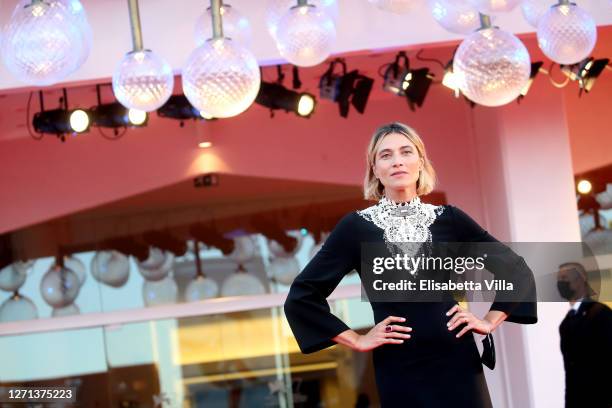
[[378, 336]]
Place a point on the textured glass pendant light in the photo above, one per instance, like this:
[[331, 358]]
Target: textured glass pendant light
[[43, 42], [491, 66], [495, 6], [566, 33], [456, 16], [396, 6], [305, 35], [221, 77], [278, 8], [533, 10], [235, 26], [142, 80]]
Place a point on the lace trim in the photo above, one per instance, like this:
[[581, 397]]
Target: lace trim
[[405, 225]]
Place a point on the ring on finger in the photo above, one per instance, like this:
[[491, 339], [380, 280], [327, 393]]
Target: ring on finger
[[388, 328]]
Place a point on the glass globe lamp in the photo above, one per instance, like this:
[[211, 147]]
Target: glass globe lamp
[[533, 10], [42, 43], [201, 288], [278, 8], [17, 308], [142, 80], [76, 9], [59, 287], [221, 78], [396, 6], [456, 16], [567, 34], [491, 67], [235, 26], [305, 36], [495, 6]]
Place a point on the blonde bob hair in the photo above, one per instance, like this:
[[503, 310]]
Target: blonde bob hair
[[373, 189]]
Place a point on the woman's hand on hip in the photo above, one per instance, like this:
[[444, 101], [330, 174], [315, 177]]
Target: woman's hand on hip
[[461, 316], [384, 332]]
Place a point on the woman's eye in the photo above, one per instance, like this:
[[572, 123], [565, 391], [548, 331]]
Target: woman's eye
[[385, 156], [406, 152]]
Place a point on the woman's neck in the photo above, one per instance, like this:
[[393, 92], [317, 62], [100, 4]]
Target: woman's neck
[[400, 196]]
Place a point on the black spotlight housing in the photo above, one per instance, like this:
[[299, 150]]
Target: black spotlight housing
[[61, 121], [419, 86], [114, 115], [397, 76], [178, 107], [275, 96], [345, 89], [56, 121], [585, 72]]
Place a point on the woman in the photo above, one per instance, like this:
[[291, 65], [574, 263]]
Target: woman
[[424, 355]]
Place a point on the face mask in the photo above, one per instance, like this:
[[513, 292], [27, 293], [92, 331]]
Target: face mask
[[564, 290]]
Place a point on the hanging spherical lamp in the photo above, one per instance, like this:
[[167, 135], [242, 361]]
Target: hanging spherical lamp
[[396, 6], [76, 9], [235, 26], [60, 286], [533, 10], [278, 8], [17, 308], [221, 77], [491, 66], [567, 33], [305, 35], [142, 80], [456, 16], [41, 43], [13, 276], [495, 6]]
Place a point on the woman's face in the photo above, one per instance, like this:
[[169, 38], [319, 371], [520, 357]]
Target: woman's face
[[397, 162]]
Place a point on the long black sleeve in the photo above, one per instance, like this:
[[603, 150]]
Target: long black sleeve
[[306, 305], [503, 263]]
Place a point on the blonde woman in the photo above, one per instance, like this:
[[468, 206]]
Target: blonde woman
[[424, 353]]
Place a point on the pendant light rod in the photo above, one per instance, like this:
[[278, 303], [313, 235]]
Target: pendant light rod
[[135, 24], [302, 3], [564, 2], [485, 21], [217, 24]]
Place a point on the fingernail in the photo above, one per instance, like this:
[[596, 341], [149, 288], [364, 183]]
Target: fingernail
[[457, 336], [447, 324], [447, 313], [401, 341], [449, 328], [403, 319]]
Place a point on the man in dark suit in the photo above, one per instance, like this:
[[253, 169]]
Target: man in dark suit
[[586, 341]]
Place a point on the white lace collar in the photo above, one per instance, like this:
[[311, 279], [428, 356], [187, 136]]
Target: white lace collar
[[403, 222]]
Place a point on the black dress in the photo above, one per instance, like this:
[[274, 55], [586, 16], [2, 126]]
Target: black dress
[[433, 368]]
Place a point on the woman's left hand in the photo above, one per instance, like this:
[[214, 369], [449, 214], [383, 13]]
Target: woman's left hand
[[461, 316]]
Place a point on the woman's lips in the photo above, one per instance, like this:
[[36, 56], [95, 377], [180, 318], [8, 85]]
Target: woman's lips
[[398, 173]]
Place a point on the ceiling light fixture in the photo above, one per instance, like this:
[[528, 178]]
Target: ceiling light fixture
[[345, 88], [61, 121]]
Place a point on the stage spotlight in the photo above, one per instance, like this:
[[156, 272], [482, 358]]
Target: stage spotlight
[[449, 79], [61, 121], [584, 187], [346, 89], [535, 69], [419, 86], [114, 115], [137, 117], [585, 72], [275, 96], [397, 76], [178, 107]]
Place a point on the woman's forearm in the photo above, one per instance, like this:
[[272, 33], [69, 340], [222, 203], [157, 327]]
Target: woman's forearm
[[495, 317], [348, 338]]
